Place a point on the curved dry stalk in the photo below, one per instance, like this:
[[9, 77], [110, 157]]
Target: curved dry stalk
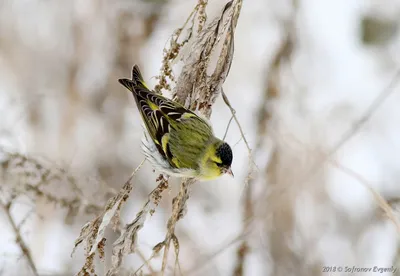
[[172, 53], [178, 211], [146, 262], [248, 209], [92, 233], [18, 237], [383, 204], [233, 111], [227, 128], [199, 265], [359, 123], [126, 243], [34, 177]]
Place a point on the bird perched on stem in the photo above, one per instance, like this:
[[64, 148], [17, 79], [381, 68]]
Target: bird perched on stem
[[176, 140]]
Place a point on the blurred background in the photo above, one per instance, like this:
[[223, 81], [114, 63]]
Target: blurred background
[[303, 72]]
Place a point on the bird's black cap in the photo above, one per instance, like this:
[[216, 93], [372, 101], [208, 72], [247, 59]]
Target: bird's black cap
[[224, 152]]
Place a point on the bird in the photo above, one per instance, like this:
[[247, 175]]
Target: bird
[[176, 140]]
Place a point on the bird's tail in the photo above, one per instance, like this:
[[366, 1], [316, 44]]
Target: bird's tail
[[137, 75], [137, 80], [129, 84]]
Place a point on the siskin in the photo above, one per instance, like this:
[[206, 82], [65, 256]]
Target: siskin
[[176, 140]]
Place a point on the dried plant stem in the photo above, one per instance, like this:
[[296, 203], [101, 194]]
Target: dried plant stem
[[233, 111], [248, 210], [126, 242], [172, 53], [248, 214], [378, 198], [376, 103], [178, 208], [394, 202], [36, 177], [207, 260], [92, 233], [369, 111], [227, 128], [19, 240], [145, 262]]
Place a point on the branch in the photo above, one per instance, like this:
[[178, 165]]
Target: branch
[[34, 177], [178, 211], [18, 237], [233, 111], [126, 243], [359, 123], [92, 233], [378, 198], [200, 264], [248, 210]]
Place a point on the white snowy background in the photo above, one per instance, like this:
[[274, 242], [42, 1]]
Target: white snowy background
[[60, 100]]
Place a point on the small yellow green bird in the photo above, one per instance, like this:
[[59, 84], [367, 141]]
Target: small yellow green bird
[[177, 141]]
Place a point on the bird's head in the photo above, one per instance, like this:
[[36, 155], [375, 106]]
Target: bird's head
[[216, 161], [224, 154]]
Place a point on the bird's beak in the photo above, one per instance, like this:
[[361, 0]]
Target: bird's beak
[[230, 172]]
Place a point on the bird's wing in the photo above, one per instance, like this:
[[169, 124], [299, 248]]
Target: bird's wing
[[159, 114]]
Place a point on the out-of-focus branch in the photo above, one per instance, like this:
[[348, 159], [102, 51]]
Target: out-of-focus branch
[[272, 91], [283, 54], [201, 264], [18, 237], [359, 123], [283, 211], [33, 177], [383, 204], [26, 176]]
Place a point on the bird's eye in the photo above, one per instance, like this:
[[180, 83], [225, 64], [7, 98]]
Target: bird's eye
[[218, 164]]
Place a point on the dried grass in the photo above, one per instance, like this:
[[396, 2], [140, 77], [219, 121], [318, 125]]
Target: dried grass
[[211, 48], [32, 178], [195, 89]]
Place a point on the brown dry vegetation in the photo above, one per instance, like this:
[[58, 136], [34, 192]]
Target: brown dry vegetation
[[206, 48]]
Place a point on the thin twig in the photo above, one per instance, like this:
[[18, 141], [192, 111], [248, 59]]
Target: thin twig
[[359, 122], [238, 141], [179, 204], [22, 222], [227, 128], [243, 136], [248, 210], [172, 53], [379, 199], [19, 240], [369, 112], [207, 260], [92, 233], [145, 262], [177, 263], [233, 111]]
